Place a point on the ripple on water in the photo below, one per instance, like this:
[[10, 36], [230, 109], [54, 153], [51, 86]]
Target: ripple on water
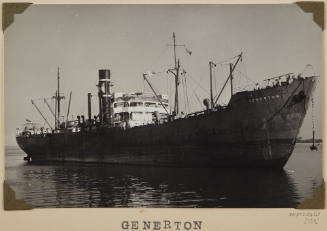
[[91, 185]]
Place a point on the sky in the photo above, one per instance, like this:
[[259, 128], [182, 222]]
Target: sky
[[132, 39]]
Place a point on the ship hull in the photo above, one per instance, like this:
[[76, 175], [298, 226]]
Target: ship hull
[[257, 129], [220, 155]]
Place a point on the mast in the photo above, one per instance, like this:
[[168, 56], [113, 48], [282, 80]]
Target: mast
[[176, 91], [175, 72], [174, 39], [176, 76], [211, 64], [231, 78], [56, 106], [58, 96]]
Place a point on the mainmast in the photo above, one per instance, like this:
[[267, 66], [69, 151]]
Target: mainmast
[[175, 72], [175, 58], [58, 98]]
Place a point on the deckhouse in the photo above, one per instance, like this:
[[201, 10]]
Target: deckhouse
[[137, 109]]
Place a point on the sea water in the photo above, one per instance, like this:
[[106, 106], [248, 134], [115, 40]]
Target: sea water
[[105, 185]]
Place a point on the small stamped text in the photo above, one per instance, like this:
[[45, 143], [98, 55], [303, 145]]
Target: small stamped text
[[310, 217]]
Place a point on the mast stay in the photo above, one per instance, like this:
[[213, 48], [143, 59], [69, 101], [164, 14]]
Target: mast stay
[[148, 82], [232, 68], [45, 119], [50, 109]]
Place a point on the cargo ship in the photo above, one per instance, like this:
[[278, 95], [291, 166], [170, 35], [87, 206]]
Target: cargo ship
[[257, 128]]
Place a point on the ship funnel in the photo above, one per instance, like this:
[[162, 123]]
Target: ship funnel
[[104, 96], [104, 74]]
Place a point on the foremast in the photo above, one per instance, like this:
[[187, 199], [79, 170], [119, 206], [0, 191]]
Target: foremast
[[175, 71], [58, 98]]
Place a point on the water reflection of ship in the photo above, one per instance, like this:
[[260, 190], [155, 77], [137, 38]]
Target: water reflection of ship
[[132, 186]]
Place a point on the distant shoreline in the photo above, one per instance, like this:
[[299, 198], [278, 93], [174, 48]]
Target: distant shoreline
[[308, 140], [11, 146]]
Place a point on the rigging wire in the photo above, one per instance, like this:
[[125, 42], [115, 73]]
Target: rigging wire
[[170, 94], [196, 81], [183, 93], [226, 60], [224, 71], [238, 79], [187, 98], [247, 78], [199, 85], [215, 76], [186, 102], [42, 98], [196, 96], [215, 82]]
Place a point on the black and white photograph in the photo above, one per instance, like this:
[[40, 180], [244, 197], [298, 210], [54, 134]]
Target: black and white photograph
[[163, 106]]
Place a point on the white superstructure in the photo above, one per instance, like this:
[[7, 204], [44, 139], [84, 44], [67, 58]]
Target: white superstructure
[[137, 109]]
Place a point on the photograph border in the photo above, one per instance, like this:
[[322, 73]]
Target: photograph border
[[111, 218]]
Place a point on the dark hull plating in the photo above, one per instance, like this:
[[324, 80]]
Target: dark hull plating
[[257, 128]]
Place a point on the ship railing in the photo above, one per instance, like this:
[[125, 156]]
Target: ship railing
[[281, 80], [30, 133], [197, 113]]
